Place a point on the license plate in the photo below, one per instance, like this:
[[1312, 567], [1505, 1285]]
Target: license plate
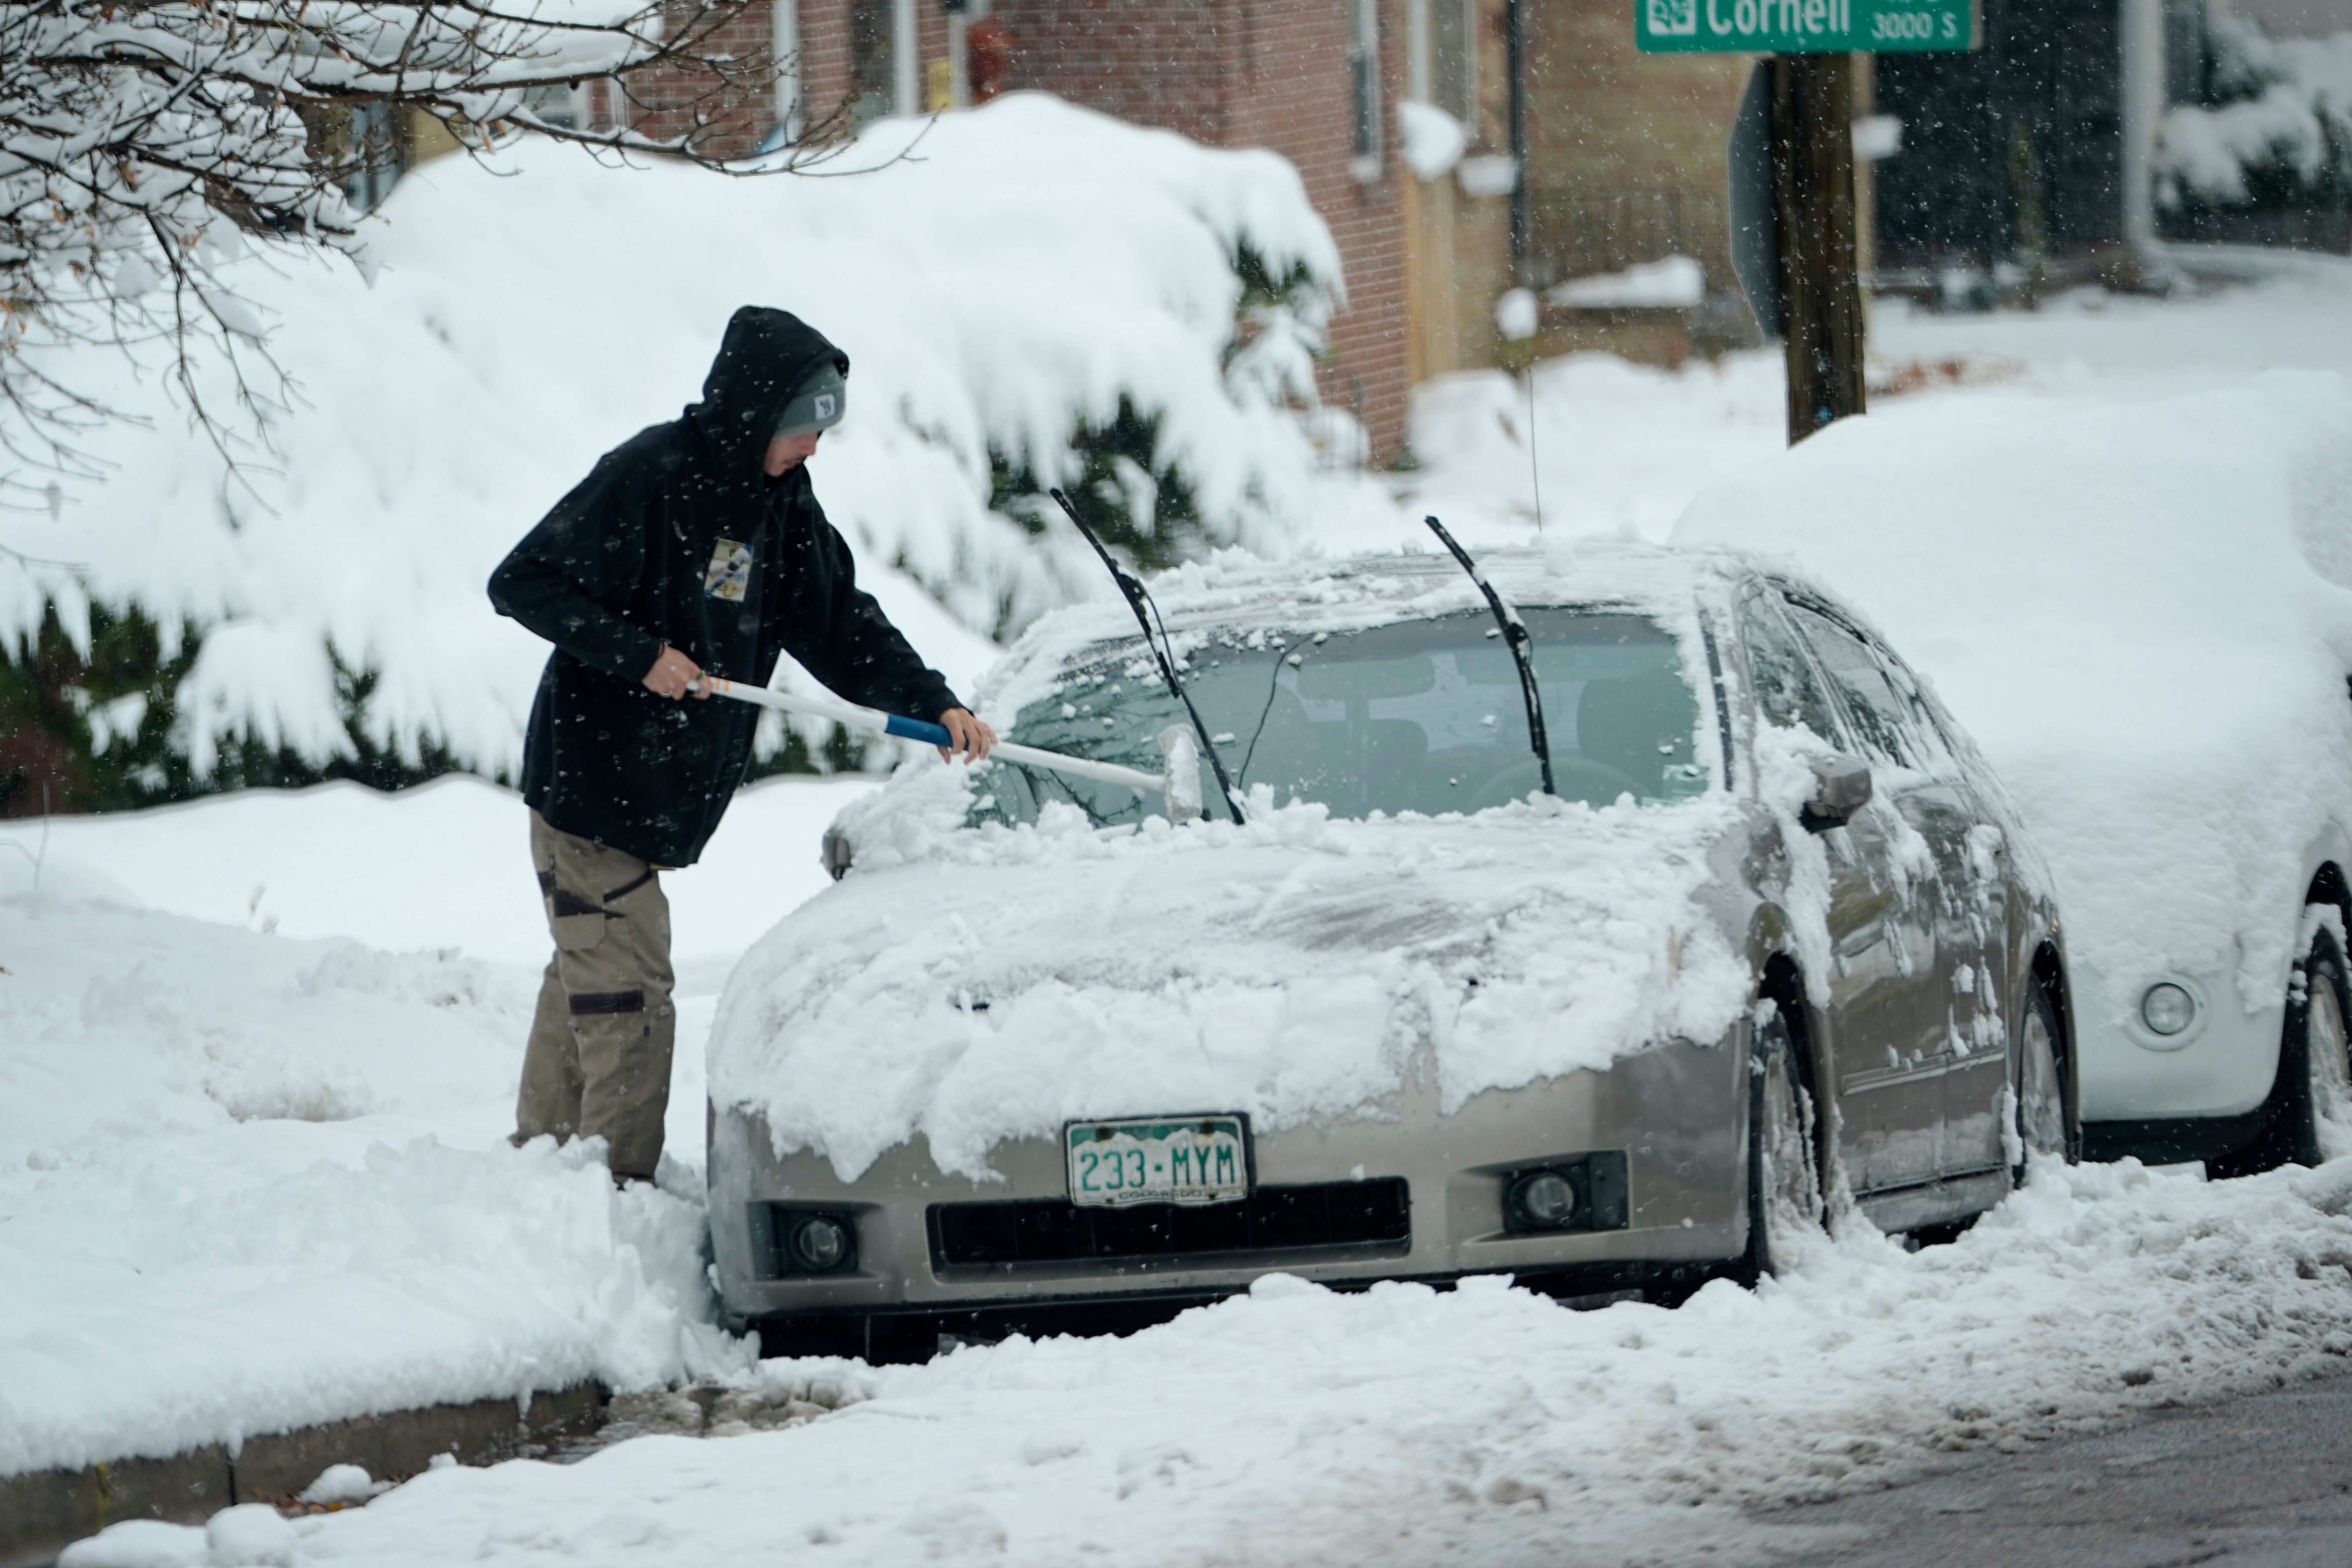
[[1156, 1160]]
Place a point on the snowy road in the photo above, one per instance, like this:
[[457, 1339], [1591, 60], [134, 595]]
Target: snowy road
[[2261, 1483]]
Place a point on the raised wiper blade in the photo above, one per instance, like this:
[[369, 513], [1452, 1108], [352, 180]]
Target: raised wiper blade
[[1163, 654], [1514, 632]]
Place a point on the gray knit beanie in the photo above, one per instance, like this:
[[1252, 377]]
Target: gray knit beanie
[[817, 404]]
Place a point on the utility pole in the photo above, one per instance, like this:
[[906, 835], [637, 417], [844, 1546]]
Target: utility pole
[[1792, 164], [1820, 289]]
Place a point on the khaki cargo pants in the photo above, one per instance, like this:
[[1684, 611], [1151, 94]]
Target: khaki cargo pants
[[598, 1061]]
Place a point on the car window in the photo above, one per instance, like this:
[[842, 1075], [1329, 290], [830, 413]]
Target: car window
[[1885, 717], [1786, 689], [1420, 715]]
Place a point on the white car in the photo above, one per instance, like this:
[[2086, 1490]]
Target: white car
[[2143, 612]]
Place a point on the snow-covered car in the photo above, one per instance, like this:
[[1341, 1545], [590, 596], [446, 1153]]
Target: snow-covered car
[[2143, 608], [1041, 1052]]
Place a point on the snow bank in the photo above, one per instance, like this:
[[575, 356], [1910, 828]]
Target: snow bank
[[1291, 968], [442, 864], [2143, 613], [252, 1183], [1402, 1425], [1620, 448], [1023, 268], [251, 1180]]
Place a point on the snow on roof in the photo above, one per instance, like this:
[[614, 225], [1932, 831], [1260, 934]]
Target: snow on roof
[[1672, 282]]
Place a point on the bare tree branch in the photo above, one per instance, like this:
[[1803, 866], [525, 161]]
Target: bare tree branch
[[146, 143]]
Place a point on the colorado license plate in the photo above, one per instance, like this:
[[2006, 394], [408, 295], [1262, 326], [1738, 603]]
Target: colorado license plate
[[1149, 1160]]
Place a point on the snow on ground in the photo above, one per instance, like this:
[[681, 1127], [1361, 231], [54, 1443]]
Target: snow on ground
[[252, 1181], [399, 1249], [1622, 449], [1024, 266], [1483, 1426]]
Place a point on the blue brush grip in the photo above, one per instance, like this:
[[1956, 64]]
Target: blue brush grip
[[916, 730]]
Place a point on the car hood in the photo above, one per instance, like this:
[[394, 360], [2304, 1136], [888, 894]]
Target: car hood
[[974, 985]]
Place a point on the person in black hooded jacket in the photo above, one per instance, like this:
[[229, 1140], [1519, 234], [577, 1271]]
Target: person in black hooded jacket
[[694, 546]]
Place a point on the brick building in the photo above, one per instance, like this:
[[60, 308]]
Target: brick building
[[1315, 80]]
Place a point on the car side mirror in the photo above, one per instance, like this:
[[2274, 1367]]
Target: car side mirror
[[1841, 788], [834, 850]]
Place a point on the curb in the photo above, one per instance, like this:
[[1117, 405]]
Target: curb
[[43, 1512]]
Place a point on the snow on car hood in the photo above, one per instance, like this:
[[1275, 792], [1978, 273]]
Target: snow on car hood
[[975, 985]]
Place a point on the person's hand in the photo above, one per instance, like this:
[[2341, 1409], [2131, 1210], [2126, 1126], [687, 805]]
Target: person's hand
[[972, 738], [673, 674]]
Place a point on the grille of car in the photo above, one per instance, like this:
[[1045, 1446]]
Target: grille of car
[[1270, 1219]]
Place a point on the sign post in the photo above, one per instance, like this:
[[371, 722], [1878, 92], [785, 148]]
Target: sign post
[[1792, 202]]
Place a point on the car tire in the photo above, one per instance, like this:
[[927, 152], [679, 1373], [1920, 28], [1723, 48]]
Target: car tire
[[1785, 1190], [2315, 1050], [2046, 1127]]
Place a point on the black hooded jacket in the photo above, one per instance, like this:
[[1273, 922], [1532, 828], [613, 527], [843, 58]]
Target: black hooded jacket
[[680, 538]]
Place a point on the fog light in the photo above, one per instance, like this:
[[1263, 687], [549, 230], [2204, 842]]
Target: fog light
[[818, 1243], [1543, 1200], [2168, 1009]]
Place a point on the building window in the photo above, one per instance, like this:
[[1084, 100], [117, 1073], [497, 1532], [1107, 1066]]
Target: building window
[[1364, 71], [1453, 59], [873, 63], [784, 46]]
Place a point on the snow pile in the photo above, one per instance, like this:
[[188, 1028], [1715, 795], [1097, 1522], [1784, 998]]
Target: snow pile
[[340, 859], [2142, 612], [251, 1182], [1022, 269], [231, 1207], [1670, 283], [1484, 1424], [1620, 448], [2290, 115], [1434, 139], [1290, 968]]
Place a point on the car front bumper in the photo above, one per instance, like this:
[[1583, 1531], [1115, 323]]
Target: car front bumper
[[1676, 1113], [2222, 1066]]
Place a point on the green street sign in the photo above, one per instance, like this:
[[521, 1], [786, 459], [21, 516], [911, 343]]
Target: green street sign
[[1803, 26]]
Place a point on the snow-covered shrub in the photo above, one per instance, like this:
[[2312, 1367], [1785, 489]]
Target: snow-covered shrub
[[2277, 132], [1033, 291]]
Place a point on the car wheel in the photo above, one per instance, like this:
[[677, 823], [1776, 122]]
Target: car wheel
[[2316, 1042], [1785, 1208], [2044, 1130]]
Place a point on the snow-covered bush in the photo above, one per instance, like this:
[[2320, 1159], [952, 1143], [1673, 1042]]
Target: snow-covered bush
[[143, 147], [2278, 133], [1028, 283]]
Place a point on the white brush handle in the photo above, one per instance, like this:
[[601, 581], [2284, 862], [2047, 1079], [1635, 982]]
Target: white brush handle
[[880, 723]]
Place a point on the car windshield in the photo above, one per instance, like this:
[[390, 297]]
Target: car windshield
[[1422, 715]]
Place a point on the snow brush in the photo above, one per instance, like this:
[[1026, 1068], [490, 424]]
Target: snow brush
[[1178, 784]]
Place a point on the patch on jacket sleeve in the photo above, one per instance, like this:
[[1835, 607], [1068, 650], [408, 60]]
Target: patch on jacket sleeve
[[731, 572]]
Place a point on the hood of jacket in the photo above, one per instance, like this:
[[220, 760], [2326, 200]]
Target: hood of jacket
[[763, 357]]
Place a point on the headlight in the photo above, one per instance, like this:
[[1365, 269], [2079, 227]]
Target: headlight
[[1543, 1200], [2168, 1009], [817, 1244]]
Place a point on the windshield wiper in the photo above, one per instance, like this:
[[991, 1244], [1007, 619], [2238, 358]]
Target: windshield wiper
[[1515, 632], [1163, 654]]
